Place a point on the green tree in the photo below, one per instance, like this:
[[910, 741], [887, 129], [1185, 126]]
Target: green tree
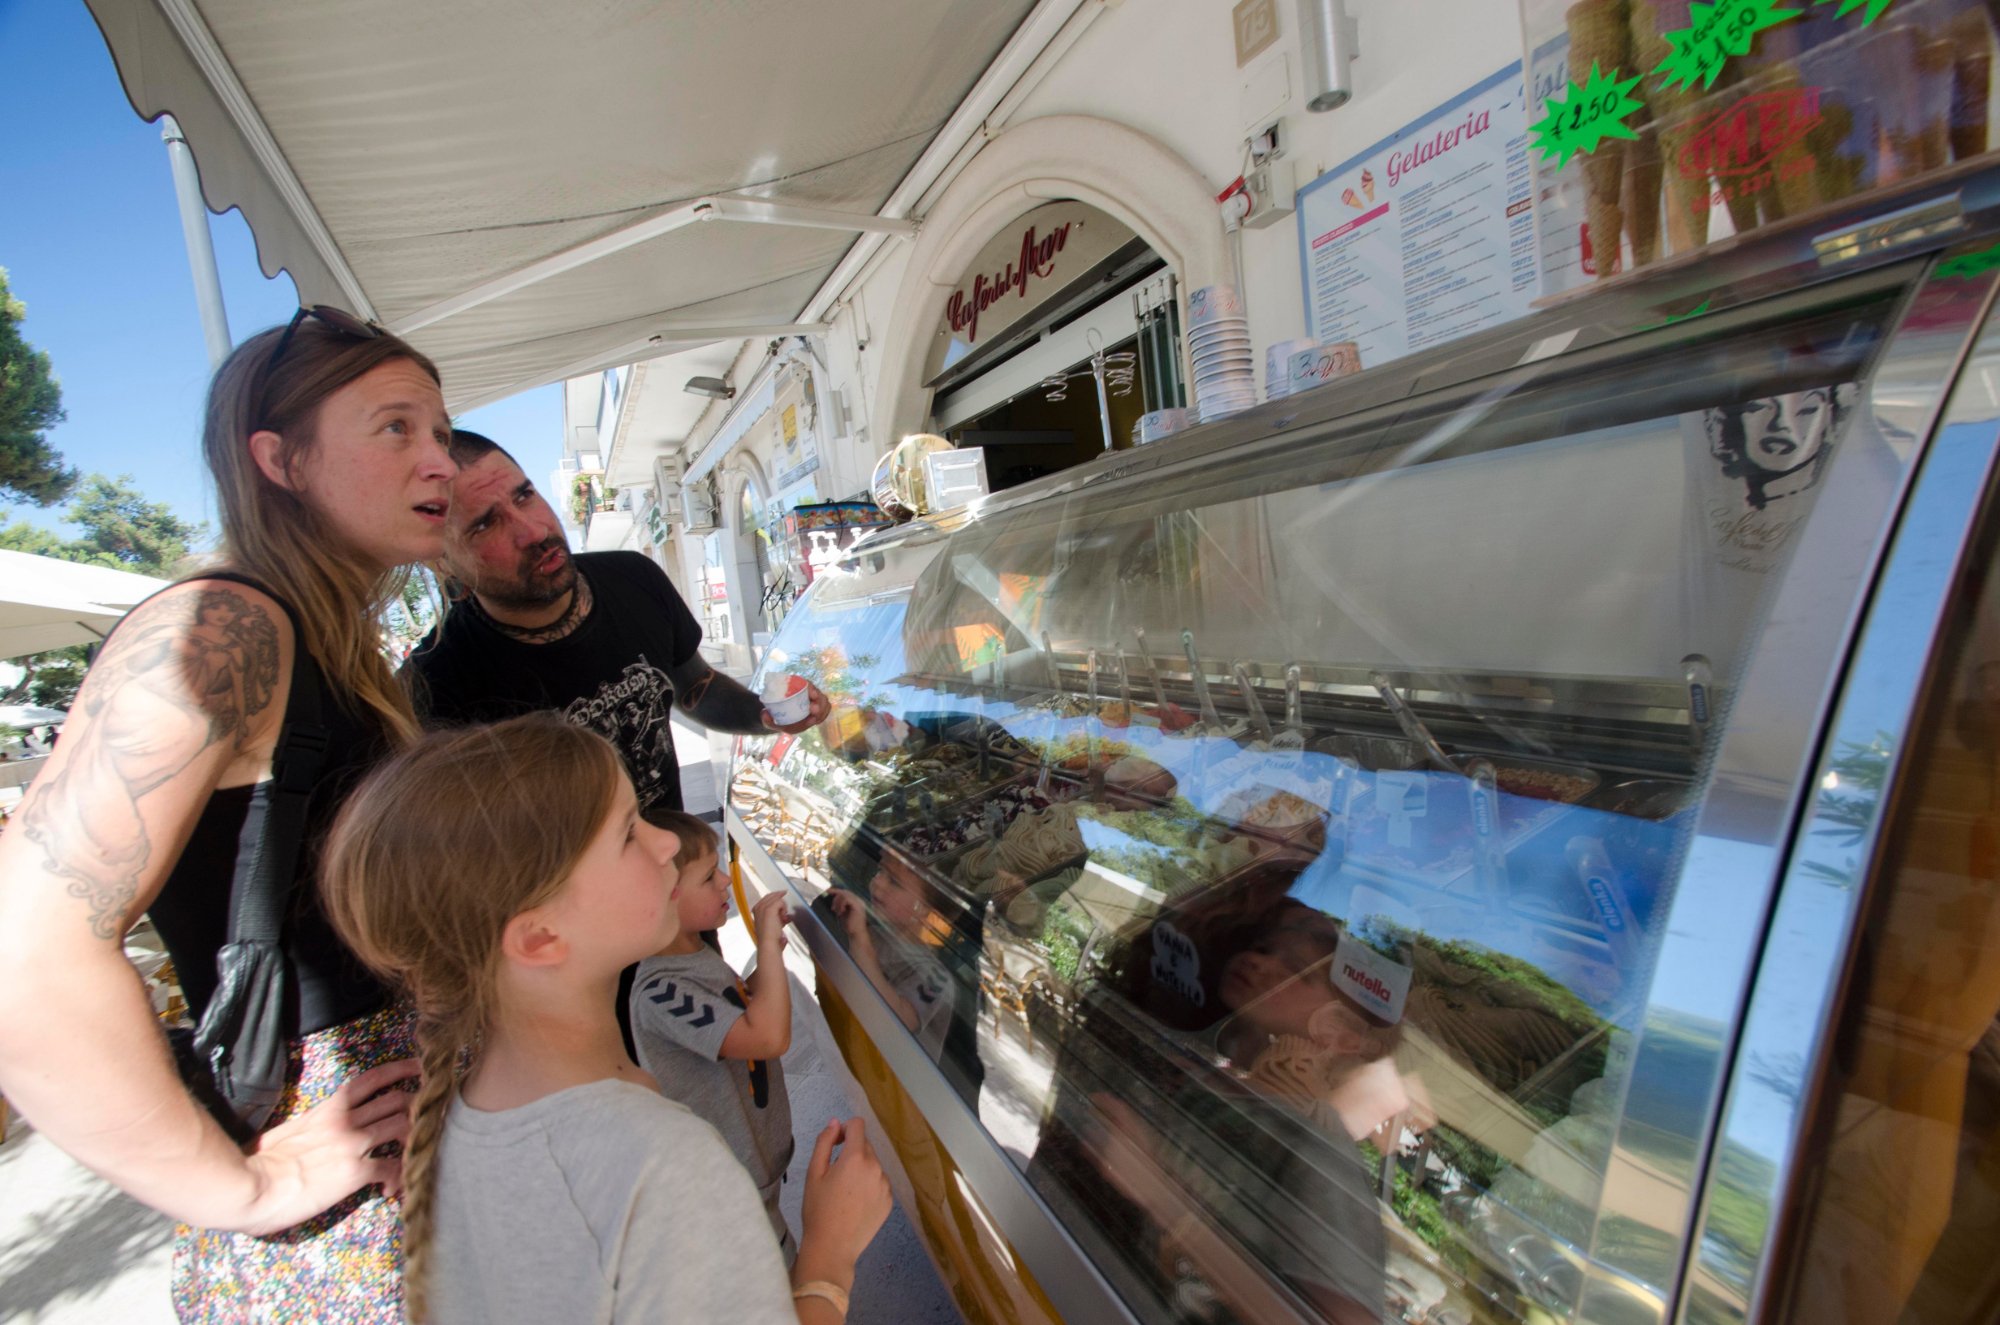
[[30, 405], [119, 529]]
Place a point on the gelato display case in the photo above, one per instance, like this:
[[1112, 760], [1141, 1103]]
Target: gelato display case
[[1459, 847]]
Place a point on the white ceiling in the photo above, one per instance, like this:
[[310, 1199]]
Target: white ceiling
[[392, 155]]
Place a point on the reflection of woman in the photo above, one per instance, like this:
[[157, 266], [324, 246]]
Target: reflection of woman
[[1210, 1189], [1297, 1037], [327, 445]]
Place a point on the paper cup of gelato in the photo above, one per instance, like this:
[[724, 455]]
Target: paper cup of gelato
[[787, 699]]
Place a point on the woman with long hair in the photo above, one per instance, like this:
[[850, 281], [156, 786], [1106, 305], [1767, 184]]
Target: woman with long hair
[[327, 444]]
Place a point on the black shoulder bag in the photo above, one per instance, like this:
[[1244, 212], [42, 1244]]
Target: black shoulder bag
[[241, 1049]]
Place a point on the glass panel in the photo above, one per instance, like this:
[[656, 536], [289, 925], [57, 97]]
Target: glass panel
[[1272, 852], [1904, 1187]]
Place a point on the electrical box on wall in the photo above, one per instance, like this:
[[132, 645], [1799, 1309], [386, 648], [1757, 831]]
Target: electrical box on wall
[[667, 471], [698, 508], [1271, 191]]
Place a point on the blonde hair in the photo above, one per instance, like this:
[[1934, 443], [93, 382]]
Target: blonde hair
[[273, 536], [439, 848]]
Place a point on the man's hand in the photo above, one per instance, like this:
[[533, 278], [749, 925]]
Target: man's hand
[[821, 707]]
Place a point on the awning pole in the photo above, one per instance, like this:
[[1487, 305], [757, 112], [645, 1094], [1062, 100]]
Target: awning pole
[[200, 244]]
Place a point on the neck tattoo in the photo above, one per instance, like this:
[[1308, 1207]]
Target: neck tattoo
[[573, 616]]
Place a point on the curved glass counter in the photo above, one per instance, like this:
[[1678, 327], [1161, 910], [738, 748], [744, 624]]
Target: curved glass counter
[[1282, 854]]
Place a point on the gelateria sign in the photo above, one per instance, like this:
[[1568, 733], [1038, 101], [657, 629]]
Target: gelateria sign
[[1033, 259]]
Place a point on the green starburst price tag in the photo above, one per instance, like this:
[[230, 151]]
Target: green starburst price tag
[[1717, 34], [1876, 8], [1586, 114]]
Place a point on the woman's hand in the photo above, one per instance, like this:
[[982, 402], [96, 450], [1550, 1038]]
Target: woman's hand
[[846, 1201], [307, 1163]]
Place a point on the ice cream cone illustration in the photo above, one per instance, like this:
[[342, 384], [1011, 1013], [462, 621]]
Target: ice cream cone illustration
[[1348, 196], [1368, 183], [1599, 37]]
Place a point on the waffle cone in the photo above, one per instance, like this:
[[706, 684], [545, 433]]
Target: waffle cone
[[1971, 90], [1687, 199], [1644, 166], [1599, 34]]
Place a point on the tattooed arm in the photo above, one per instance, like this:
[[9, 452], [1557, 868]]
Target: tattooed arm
[[187, 697]]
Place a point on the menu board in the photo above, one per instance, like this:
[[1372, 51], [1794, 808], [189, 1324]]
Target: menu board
[[1428, 235]]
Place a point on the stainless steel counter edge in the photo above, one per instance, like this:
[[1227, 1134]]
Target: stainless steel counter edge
[[1059, 1265], [1729, 876], [1821, 899]]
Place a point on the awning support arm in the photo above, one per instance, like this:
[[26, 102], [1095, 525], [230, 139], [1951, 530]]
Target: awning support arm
[[748, 210]]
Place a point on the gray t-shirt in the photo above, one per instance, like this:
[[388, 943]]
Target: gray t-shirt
[[603, 1203], [915, 972], [682, 1008]]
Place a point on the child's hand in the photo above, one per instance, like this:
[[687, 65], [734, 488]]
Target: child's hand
[[847, 1199], [853, 913], [768, 919]]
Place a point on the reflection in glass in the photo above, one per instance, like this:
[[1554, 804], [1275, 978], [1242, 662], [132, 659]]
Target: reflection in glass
[[1286, 840]]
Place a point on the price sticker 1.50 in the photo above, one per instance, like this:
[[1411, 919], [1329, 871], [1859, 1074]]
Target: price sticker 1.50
[[1586, 115], [1716, 34]]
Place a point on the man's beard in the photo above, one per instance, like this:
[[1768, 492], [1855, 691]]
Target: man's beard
[[528, 589]]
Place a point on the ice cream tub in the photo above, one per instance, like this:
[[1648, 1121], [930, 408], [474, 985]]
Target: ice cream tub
[[787, 698]]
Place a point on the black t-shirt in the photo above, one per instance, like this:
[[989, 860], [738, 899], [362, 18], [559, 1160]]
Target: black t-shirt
[[609, 675]]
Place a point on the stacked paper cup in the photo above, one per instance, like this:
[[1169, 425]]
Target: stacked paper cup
[[1225, 375], [1278, 366]]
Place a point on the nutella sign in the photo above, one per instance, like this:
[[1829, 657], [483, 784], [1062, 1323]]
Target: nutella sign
[[1035, 258]]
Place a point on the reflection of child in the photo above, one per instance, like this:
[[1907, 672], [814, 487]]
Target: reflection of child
[[900, 965], [1296, 1036], [711, 1041]]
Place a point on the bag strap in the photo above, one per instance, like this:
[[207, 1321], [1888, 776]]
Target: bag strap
[[257, 913]]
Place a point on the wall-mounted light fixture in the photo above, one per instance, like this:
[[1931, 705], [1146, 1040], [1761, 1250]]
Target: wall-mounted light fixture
[[1329, 41], [712, 387]]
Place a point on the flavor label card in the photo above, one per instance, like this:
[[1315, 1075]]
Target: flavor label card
[[1378, 983]]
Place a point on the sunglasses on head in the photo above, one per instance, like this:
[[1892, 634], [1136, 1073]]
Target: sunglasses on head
[[339, 319]]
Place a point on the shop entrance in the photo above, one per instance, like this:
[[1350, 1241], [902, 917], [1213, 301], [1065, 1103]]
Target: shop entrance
[[1045, 428], [1065, 295]]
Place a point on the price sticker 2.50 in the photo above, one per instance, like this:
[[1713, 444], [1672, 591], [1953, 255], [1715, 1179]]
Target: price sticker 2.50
[[1587, 114]]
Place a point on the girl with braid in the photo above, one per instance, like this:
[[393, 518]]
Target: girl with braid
[[503, 877]]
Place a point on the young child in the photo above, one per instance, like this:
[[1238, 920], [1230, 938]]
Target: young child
[[502, 877], [711, 1041]]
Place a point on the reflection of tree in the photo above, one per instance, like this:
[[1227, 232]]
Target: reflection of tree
[[1849, 800], [1781, 1074]]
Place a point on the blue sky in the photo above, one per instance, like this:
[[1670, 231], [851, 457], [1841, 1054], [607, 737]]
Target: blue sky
[[91, 240]]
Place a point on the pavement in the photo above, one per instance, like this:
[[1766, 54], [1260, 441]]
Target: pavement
[[75, 1251]]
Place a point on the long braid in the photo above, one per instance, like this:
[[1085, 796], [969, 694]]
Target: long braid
[[431, 857], [440, 1045]]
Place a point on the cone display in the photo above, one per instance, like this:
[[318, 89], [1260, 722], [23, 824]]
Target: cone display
[[1640, 198], [1599, 35], [1686, 195]]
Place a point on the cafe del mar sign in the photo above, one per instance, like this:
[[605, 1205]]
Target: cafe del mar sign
[[1021, 268]]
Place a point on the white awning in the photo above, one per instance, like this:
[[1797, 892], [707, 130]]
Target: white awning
[[47, 603], [534, 191]]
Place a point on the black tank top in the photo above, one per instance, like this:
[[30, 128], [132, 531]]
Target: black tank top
[[192, 910]]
